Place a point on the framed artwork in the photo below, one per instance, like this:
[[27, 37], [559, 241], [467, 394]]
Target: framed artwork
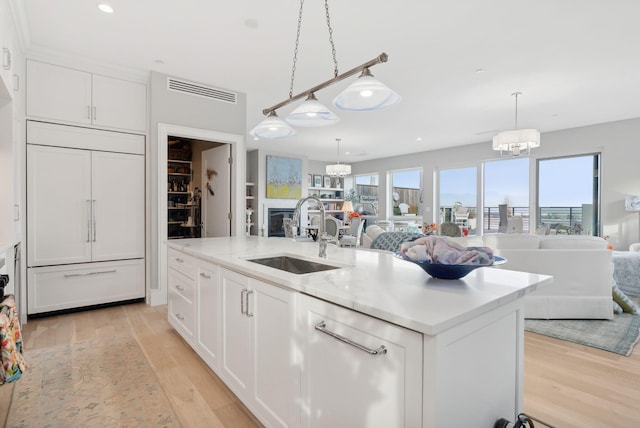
[[309, 180], [317, 180], [284, 177], [327, 181]]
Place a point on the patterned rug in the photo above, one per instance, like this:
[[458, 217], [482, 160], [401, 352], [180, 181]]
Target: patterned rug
[[618, 335], [90, 383]]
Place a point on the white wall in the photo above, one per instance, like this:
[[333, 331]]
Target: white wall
[[620, 175], [184, 110]]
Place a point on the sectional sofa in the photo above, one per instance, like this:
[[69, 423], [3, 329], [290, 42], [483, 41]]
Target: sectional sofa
[[581, 267]]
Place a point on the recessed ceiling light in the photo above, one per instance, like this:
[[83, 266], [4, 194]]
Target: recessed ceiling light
[[104, 7], [419, 139], [347, 153], [480, 70], [159, 61], [251, 23]]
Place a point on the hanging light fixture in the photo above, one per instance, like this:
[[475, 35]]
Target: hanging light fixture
[[338, 169], [312, 113], [364, 95], [272, 127], [515, 141]]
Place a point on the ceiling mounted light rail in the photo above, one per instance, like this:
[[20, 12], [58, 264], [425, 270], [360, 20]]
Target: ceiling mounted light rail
[[338, 169], [365, 94], [514, 142]]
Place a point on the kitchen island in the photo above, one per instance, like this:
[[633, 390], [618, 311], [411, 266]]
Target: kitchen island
[[374, 342]]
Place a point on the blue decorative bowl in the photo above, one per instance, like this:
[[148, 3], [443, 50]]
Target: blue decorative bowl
[[443, 271]]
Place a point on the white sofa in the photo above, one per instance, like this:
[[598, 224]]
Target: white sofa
[[580, 265]]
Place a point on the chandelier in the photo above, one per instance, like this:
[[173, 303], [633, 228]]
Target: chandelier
[[365, 94], [517, 140], [338, 169]]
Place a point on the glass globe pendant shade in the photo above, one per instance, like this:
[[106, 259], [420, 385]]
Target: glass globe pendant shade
[[312, 113], [365, 94], [272, 127]]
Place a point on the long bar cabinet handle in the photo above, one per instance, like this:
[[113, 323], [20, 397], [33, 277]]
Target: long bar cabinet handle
[[69, 275], [94, 219], [205, 276], [89, 220], [321, 326], [246, 311], [242, 294]]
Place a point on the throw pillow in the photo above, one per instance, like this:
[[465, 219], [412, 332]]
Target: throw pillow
[[617, 309], [625, 302]]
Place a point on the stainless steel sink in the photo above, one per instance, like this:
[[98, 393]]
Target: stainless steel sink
[[293, 265]]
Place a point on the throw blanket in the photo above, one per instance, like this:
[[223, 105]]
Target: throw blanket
[[12, 364], [435, 249]]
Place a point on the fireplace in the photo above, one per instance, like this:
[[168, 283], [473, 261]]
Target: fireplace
[[275, 225]]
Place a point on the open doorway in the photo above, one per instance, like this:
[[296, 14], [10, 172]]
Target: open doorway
[[158, 203], [198, 188]]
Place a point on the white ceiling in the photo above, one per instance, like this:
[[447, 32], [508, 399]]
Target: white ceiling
[[577, 62]]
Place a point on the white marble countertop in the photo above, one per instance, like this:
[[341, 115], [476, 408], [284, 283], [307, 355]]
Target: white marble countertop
[[371, 282]]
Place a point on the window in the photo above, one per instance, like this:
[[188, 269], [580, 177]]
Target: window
[[458, 197], [364, 192], [569, 194], [506, 182], [406, 192]]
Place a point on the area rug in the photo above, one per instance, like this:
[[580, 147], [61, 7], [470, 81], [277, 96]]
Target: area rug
[[618, 335], [90, 383]]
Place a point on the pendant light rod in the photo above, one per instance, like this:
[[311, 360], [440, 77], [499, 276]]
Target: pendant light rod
[[383, 57]]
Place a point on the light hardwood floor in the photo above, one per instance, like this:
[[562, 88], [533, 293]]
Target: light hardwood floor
[[566, 384]]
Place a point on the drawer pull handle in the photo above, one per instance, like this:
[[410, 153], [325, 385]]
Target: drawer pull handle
[[69, 275], [180, 317], [204, 275], [321, 326], [179, 260], [180, 287]]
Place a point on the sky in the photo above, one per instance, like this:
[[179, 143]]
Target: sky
[[564, 182]]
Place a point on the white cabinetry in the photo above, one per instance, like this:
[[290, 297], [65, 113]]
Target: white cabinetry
[[258, 361], [208, 312], [8, 43], [78, 97], [358, 371], [182, 292], [85, 204]]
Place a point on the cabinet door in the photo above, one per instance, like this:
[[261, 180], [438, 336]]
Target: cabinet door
[[119, 103], [345, 386], [118, 206], [236, 330], [58, 93], [276, 390], [58, 205], [209, 306]]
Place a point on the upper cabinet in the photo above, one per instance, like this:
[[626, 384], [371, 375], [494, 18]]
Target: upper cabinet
[[8, 43], [82, 98]]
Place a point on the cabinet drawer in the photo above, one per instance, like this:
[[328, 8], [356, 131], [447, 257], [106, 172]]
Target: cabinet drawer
[[181, 285], [52, 288], [181, 313], [181, 262]]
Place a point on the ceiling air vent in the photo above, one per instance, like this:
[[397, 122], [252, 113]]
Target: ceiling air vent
[[201, 91]]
